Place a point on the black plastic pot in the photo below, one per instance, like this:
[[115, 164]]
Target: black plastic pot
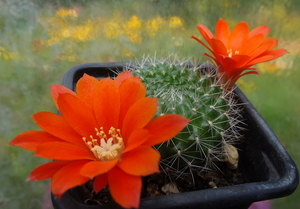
[[264, 162]]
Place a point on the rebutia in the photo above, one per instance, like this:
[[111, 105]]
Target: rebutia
[[193, 91]]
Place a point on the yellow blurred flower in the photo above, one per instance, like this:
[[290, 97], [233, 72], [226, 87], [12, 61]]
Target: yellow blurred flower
[[83, 32], [6, 55], [175, 22], [153, 25], [276, 67], [113, 26], [62, 13], [133, 30], [61, 28]]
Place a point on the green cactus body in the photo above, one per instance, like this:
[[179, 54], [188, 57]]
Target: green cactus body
[[191, 91]]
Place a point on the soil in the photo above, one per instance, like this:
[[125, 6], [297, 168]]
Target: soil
[[163, 184]]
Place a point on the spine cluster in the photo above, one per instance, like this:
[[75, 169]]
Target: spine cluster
[[193, 91]]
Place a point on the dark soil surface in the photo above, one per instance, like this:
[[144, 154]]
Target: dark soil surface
[[163, 184]]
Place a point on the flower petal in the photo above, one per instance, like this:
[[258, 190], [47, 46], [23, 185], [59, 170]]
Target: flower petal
[[56, 90], [141, 161], [247, 73], [124, 188], [263, 30], [131, 90], [95, 168], [107, 104], [223, 32], [240, 61], [268, 44], [30, 140], [57, 126], [267, 56], [227, 65], [238, 36], [164, 128], [100, 182], [251, 44], [218, 47], [77, 114], [139, 114], [68, 177], [123, 76], [85, 89], [205, 32], [63, 151], [136, 138], [46, 170], [201, 42]]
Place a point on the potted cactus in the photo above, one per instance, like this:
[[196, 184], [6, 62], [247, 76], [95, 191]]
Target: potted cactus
[[107, 140]]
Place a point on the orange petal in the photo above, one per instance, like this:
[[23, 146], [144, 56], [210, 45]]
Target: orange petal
[[141, 161], [201, 42], [56, 90], [237, 73], [123, 76], [252, 44], [247, 73], [223, 32], [238, 36], [77, 114], [46, 170], [241, 60], [276, 53], [267, 56], [139, 114], [95, 168], [268, 44], [63, 151], [131, 90], [100, 182], [205, 32], [85, 89], [107, 104], [213, 60], [228, 64], [68, 177], [57, 126], [124, 188], [263, 30], [218, 47], [30, 140], [136, 138], [164, 128]]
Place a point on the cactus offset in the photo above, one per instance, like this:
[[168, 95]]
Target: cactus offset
[[193, 92]]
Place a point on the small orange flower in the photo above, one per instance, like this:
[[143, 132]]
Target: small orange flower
[[237, 50], [105, 133]]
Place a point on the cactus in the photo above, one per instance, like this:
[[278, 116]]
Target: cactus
[[191, 90]]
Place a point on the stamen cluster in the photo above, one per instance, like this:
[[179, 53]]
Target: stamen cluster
[[106, 148]]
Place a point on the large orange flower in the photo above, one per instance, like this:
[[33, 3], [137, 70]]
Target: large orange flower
[[106, 133], [236, 51]]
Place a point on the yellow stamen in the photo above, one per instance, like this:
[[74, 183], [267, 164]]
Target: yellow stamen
[[106, 149], [229, 51]]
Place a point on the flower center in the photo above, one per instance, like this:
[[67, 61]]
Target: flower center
[[229, 51], [106, 148]]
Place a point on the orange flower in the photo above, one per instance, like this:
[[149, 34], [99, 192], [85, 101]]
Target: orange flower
[[237, 50], [106, 133]]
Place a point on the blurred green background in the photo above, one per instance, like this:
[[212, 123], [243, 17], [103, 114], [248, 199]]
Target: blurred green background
[[41, 40]]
